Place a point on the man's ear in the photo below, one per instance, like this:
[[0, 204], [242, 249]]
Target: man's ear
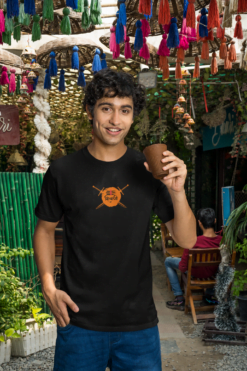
[[89, 113], [215, 221]]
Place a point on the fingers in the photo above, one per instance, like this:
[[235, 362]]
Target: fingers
[[175, 174], [62, 316], [70, 303], [172, 158]]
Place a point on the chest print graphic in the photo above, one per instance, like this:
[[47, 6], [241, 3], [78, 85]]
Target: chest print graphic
[[111, 196]]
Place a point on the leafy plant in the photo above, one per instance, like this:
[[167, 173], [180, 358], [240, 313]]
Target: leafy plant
[[40, 318], [240, 277], [12, 332]]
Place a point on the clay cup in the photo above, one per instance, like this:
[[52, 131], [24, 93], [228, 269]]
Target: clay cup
[[154, 155]]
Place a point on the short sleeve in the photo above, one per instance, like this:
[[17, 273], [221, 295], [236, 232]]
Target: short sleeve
[[49, 206], [163, 206]]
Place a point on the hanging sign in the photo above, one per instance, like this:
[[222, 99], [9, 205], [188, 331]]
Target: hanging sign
[[9, 125], [222, 135]]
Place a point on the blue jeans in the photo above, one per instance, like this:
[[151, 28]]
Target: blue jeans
[[87, 350], [171, 265]]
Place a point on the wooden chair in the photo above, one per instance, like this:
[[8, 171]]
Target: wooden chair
[[201, 258]]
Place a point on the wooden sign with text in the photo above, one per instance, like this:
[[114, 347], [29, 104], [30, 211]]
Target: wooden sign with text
[[9, 125]]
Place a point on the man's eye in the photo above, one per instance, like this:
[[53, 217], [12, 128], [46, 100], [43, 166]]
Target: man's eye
[[125, 111], [105, 109]]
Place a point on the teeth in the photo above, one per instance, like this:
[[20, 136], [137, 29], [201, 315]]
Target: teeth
[[113, 129]]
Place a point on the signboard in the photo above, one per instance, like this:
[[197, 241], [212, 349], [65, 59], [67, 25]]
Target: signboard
[[220, 136], [9, 125]]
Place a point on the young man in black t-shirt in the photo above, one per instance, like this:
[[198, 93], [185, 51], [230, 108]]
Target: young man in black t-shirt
[[105, 309]]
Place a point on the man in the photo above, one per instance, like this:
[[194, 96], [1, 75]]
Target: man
[[104, 309], [206, 221]]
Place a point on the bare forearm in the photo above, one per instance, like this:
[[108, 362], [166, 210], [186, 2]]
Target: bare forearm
[[184, 223]]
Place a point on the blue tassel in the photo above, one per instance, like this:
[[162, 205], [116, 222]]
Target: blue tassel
[[35, 82], [61, 86], [119, 30], [96, 62], [150, 16], [33, 60], [53, 64], [173, 37], [12, 8], [138, 44], [186, 3], [122, 13], [29, 7], [75, 58], [103, 61], [47, 83], [203, 25], [72, 4], [81, 78]]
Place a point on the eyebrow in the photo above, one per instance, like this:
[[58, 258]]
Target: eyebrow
[[111, 105]]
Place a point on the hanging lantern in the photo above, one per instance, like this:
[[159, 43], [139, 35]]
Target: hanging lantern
[[23, 88], [21, 100], [35, 65], [186, 125], [182, 82], [180, 110], [181, 99], [27, 111], [176, 107], [28, 54], [186, 116], [179, 121], [190, 131], [190, 121], [17, 159], [31, 76], [185, 72]]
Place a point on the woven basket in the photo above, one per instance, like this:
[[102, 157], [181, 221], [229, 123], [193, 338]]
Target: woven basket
[[11, 60], [63, 49]]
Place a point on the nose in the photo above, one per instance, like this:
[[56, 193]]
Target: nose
[[115, 117]]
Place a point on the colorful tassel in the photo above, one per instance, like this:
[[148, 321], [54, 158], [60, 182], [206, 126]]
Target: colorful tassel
[[103, 61], [145, 28], [180, 54], [80, 6], [238, 32], [72, 4], [122, 13], [178, 72], [119, 30], [12, 84], [220, 30], [192, 36], [61, 85], [23, 17], [12, 8], [81, 78], [17, 30], [85, 19], [242, 6], [1, 38], [228, 63], [163, 48], [144, 52], [112, 42], [53, 64], [9, 25], [47, 82], [213, 15], [18, 85], [196, 72], [138, 44], [6, 37], [36, 31], [96, 67], [75, 58], [164, 16], [145, 7], [116, 52], [190, 15], [173, 37], [214, 66], [205, 50], [232, 52], [35, 82], [95, 12], [127, 49], [165, 67], [223, 49], [198, 19], [203, 30], [166, 27], [65, 24], [210, 36], [2, 22], [4, 80], [29, 7], [183, 42], [48, 10]]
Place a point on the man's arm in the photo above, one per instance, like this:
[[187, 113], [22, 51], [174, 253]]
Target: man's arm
[[44, 253]]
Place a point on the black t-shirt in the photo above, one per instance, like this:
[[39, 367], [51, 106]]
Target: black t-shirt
[[106, 266]]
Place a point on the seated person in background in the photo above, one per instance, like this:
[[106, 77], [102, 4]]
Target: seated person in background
[[206, 220]]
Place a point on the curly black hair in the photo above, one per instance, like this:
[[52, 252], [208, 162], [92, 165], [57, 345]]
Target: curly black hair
[[109, 83]]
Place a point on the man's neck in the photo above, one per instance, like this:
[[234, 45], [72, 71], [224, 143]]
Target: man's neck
[[209, 232], [105, 152]]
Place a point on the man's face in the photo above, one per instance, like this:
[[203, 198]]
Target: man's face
[[112, 119]]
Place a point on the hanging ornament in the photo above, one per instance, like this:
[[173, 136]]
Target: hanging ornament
[[223, 49], [103, 61], [6, 37], [47, 82], [138, 44], [80, 6], [12, 84], [23, 18], [53, 64], [65, 24], [213, 15], [173, 37], [196, 72], [220, 30], [183, 45], [190, 15], [1, 38], [227, 17], [198, 19], [210, 36], [36, 31], [203, 29], [96, 67], [164, 15], [242, 6], [145, 28], [127, 49], [18, 85], [75, 58], [116, 52], [61, 85], [17, 30], [232, 52], [95, 12], [2, 22], [4, 80], [85, 19], [228, 63], [81, 78], [112, 42], [119, 30], [12, 8], [164, 66], [145, 7], [238, 32], [72, 4], [29, 7], [48, 10], [205, 50], [178, 72], [122, 13], [144, 52]]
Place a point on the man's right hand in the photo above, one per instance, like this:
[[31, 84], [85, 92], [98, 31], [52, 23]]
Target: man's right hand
[[58, 301]]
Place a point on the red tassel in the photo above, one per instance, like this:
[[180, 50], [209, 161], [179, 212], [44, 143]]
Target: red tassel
[[220, 31], [214, 66], [145, 7], [205, 50], [145, 28], [190, 16], [223, 49], [242, 6], [238, 32], [180, 54], [198, 18], [164, 16], [144, 52], [228, 63], [210, 35], [232, 52], [164, 66], [196, 72], [178, 72], [213, 15]]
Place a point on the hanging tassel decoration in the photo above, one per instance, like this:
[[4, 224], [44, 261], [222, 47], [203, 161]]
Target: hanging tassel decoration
[[2, 22], [18, 85], [112, 42], [178, 72], [138, 44], [36, 31], [242, 6], [47, 82], [81, 78], [35, 82], [75, 58], [203, 26], [198, 19], [6, 37], [12, 8], [228, 63], [164, 16], [214, 66], [119, 30], [173, 37], [17, 30], [12, 84], [23, 17], [85, 19], [205, 50], [72, 4], [61, 85], [29, 7], [103, 61], [163, 48], [213, 15], [232, 52], [95, 12], [145, 28], [122, 13], [220, 30], [183, 45], [96, 67], [1, 38], [48, 10], [116, 52], [165, 68], [196, 72], [210, 36], [190, 15], [4, 80], [53, 64], [65, 24], [127, 49], [238, 32], [145, 7], [223, 49], [80, 6], [227, 17], [180, 54], [144, 52]]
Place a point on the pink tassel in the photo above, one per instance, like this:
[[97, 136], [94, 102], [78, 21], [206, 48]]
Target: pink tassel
[[1, 38], [2, 21], [116, 52], [4, 80], [12, 84], [166, 27], [185, 30], [144, 52], [112, 43], [163, 48], [127, 49], [183, 42], [24, 78], [25, 81], [192, 37], [145, 28], [125, 33]]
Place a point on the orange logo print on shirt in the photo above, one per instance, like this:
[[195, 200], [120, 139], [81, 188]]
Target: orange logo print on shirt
[[111, 196]]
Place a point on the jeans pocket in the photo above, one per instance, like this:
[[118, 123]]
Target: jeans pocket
[[63, 328]]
